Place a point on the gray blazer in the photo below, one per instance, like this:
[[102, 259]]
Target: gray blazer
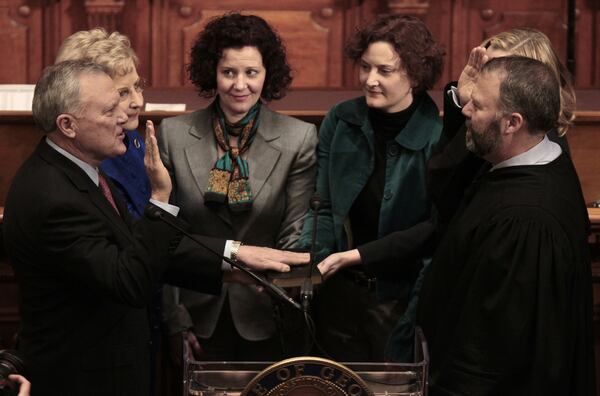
[[282, 163]]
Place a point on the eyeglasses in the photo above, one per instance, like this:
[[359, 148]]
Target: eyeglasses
[[139, 86]]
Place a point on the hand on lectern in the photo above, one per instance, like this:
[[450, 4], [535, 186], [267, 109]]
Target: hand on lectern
[[262, 258]]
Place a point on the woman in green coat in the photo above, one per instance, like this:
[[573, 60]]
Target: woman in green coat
[[373, 224]]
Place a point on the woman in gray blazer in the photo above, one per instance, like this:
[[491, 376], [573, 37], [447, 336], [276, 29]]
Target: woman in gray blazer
[[239, 171]]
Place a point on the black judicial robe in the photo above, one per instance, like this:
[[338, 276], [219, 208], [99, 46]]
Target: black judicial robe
[[507, 302]]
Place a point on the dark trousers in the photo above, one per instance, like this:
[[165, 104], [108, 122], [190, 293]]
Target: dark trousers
[[352, 325], [227, 344]]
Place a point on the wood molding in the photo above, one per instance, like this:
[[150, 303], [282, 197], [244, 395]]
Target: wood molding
[[416, 8], [105, 13]]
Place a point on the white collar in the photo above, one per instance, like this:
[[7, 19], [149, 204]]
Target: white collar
[[91, 171], [542, 153]]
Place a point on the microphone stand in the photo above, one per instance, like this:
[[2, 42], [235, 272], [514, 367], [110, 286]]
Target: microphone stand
[[156, 213], [306, 292]]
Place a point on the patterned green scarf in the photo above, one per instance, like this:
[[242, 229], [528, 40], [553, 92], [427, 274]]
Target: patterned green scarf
[[228, 180]]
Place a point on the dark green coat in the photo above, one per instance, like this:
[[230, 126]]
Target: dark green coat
[[346, 160]]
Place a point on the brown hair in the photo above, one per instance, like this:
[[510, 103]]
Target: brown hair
[[529, 87], [420, 54], [235, 30]]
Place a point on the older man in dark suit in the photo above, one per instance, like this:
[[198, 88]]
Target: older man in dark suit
[[85, 271]]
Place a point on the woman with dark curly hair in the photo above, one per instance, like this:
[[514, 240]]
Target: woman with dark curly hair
[[373, 228], [239, 171]]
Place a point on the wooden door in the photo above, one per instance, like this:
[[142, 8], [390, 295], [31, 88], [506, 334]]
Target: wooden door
[[20, 42], [477, 20], [312, 30]]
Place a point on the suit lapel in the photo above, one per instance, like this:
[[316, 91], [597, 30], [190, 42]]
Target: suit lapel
[[262, 160], [121, 218], [86, 186], [107, 210], [262, 155], [202, 155]]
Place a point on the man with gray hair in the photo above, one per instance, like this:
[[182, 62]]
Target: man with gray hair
[[85, 271], [506, 305]]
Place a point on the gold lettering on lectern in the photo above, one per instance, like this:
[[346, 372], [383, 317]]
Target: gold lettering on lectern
[[299, 370], [355, 390], [305, 376], [283, 374], [327, 372], [259, 389], [342, 380]]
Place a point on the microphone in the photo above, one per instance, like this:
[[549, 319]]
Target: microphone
[[315, 201], [155, 213], [306, 292]]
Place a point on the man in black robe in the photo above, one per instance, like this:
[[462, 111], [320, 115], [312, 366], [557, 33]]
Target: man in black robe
[[506, 305]]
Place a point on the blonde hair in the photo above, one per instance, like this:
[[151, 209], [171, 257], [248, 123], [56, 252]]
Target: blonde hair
[[534, 44], [112, 51]]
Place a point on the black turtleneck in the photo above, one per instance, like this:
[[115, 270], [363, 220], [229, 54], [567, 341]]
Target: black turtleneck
[[364, 214]]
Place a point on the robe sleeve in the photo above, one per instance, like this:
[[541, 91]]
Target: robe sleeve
[[381, 256], [452, 167], [518, 331]]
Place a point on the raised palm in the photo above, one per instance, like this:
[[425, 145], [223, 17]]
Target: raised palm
[[467, 78]]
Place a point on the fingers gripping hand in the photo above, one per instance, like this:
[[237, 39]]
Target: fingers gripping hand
[[195, 349], [160, 181], [261, 258], [467, 78], [24, 384]]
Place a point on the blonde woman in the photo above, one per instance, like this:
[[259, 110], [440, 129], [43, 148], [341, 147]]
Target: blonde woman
[[523, 42], [114, 52]]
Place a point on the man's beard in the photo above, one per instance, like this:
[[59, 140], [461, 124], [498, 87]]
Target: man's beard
[[482, 144]]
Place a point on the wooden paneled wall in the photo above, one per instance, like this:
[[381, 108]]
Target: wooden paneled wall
[[314, 31]]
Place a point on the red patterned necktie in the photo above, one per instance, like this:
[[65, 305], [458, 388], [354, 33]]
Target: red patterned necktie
[[103, 184]]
